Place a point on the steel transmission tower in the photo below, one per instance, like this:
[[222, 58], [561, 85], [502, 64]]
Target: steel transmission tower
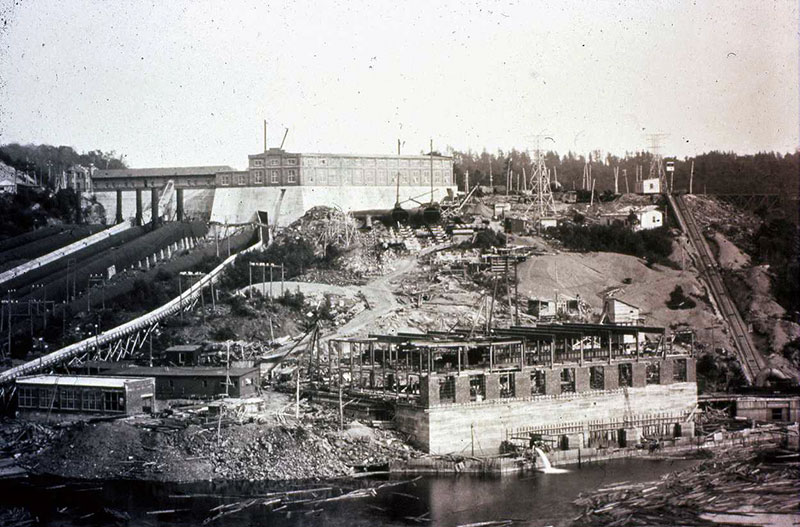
[[656, 164], [542, 205]]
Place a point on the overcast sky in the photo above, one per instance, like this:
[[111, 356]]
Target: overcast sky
[[172, 83]]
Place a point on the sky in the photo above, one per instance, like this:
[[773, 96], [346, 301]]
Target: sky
[[173, 83]]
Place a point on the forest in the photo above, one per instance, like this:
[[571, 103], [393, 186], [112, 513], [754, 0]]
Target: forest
[[45, 161], [714, 172]]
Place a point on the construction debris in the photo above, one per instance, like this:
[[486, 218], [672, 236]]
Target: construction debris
[[734, 485]]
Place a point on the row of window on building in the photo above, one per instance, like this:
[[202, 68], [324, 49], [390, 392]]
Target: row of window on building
[[325, 176], [259, 178], [313, 161], [477, 383], [71, 399], [273, 161]]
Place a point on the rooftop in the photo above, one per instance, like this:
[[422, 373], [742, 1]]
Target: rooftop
[[168, 371], [77, 380], [162, 172]]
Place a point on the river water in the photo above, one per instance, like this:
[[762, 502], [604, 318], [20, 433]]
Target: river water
[[540, 499]]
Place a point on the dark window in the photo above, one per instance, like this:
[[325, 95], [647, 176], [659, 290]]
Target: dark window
[[679, 370], [597, 378], [777, 414], [27, 397], [537, 383], [69, 399], [47, 398], [477, 387], [507, 388], [112, 402], [447, 389], [625, 375], [568, 380], [653, 373], [92, 400]]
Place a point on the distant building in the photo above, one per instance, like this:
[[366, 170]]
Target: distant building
[[463, 236], [11, 179], [501, 209], [615, 311], [548, 223], [648, 186], [770, 408], [542, 308], [78, 178], [74, 396], [8, 183], [286, 184], [191, 383], [644, 218], [569, 196], [183, 354], [549, 308], [516, 225], [648, 218]]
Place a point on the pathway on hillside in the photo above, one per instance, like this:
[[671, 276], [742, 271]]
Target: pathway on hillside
[[378, 293]]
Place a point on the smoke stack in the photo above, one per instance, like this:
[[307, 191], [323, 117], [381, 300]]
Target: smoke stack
[[265, 136]]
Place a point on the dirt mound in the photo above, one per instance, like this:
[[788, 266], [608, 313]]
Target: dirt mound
[[592, 275]]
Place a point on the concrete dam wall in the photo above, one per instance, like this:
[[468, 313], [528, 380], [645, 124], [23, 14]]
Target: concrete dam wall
[[239, 205]]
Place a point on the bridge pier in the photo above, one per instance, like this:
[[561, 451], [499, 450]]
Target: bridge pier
[[119, 207], [154, 206], [138, 207], [179, 203]]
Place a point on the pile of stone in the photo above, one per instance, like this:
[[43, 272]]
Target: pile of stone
[[298, 451]]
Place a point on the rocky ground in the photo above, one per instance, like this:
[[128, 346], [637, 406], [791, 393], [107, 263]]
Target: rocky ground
[[269, 446], [731, 233]]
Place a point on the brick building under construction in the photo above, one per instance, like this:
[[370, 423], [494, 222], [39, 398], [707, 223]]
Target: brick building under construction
[[573, 385]]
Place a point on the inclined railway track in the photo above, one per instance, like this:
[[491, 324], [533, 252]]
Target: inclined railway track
[[121, 339], [749, 357]]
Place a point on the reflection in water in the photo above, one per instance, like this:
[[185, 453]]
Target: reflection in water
[[545, 499]]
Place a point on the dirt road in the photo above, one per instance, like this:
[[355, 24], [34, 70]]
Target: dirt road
[[378, 293]]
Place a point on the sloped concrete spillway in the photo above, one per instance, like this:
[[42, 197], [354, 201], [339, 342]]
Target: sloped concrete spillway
[[286, 204]]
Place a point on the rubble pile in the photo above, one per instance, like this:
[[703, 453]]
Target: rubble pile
[[736, 486], [20, 437], [297, 451], [191, 447], [354, 254]]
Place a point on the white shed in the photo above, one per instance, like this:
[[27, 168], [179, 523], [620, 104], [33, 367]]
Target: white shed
[[615, 311], [649, 186], [648, 218]]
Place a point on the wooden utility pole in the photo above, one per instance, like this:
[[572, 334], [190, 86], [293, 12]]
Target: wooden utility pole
[[625, 175], [616, 180], [691, 177]]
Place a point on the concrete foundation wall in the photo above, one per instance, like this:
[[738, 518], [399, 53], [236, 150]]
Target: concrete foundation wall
[[450, 428], [239, 205]]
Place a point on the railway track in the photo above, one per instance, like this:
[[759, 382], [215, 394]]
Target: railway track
[[751, 360]]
